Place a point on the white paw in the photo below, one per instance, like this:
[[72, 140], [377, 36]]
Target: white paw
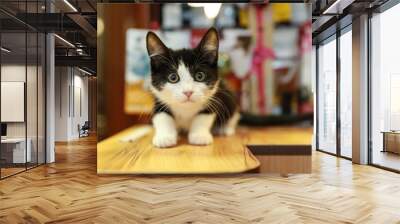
[[200, 138], [164, 140], [229, 131], [225, 131]]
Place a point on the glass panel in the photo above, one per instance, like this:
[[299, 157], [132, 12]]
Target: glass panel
[[385, 84], [314, 90], [13, 86], [327, 97], [346, 94], [31, 100], [41, 99], [23, 90]]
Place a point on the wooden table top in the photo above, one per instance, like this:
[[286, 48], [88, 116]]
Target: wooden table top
[[131, 152]]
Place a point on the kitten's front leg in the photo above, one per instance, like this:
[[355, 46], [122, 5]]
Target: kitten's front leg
[[200, 129], [166, 134]]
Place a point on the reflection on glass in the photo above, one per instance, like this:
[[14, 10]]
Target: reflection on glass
[[327, 97], [346, 94]]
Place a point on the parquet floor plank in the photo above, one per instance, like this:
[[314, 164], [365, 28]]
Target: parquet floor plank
[[70, 191]]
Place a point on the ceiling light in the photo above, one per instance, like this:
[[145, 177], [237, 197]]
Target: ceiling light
[[5, 50], [84, 71], [70, 5], [211, 9], [65, 41]]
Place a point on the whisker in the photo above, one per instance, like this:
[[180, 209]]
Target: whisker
[[211, 107], [222, 114], [226, 111]]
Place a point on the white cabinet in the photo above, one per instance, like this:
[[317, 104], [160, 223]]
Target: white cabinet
[[15, 148]]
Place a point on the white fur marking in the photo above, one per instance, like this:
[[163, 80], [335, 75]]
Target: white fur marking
[[165, 131], [230, 126], [200, 129], [184, 74]]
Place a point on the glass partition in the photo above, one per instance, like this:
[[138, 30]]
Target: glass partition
[[385, 89], [31, 99], [22, 77], [41, 91], [346, 94], [14, 153], [327, 96]]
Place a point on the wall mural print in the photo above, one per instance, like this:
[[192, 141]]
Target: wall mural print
[[198, 81]]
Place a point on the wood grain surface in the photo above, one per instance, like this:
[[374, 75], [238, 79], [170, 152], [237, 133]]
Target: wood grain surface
[[131, 152], [70, 191]]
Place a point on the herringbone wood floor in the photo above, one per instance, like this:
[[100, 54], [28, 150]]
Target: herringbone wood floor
[[69, 191]]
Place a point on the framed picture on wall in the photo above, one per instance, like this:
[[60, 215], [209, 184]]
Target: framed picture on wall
[[12, 98]]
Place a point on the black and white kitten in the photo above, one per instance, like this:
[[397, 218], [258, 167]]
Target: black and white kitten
[[189, 95]]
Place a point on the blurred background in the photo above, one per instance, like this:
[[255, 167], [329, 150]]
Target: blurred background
[[265, 58]]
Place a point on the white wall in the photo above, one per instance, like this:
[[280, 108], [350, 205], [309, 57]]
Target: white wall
[[33, 126], [71, 94], [82, 82], [61, 103], [79, 103], [12, 73]]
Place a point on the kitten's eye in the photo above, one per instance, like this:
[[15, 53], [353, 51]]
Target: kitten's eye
[[200, 76], [173, 78]]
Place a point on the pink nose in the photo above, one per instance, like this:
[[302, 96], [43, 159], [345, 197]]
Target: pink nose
[[188, 93]]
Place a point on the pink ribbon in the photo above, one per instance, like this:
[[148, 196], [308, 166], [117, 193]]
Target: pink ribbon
[[260, 54], [305, 38]]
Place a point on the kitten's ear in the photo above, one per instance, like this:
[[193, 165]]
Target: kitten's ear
[[209, 43], [154, 45]]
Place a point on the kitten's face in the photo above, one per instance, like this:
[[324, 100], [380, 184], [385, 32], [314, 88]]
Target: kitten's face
[[184, 77]]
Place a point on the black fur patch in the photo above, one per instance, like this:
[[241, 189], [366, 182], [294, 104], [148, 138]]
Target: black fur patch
[[194, 60]]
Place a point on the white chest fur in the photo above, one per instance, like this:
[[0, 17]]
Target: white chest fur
[[184, 115]]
